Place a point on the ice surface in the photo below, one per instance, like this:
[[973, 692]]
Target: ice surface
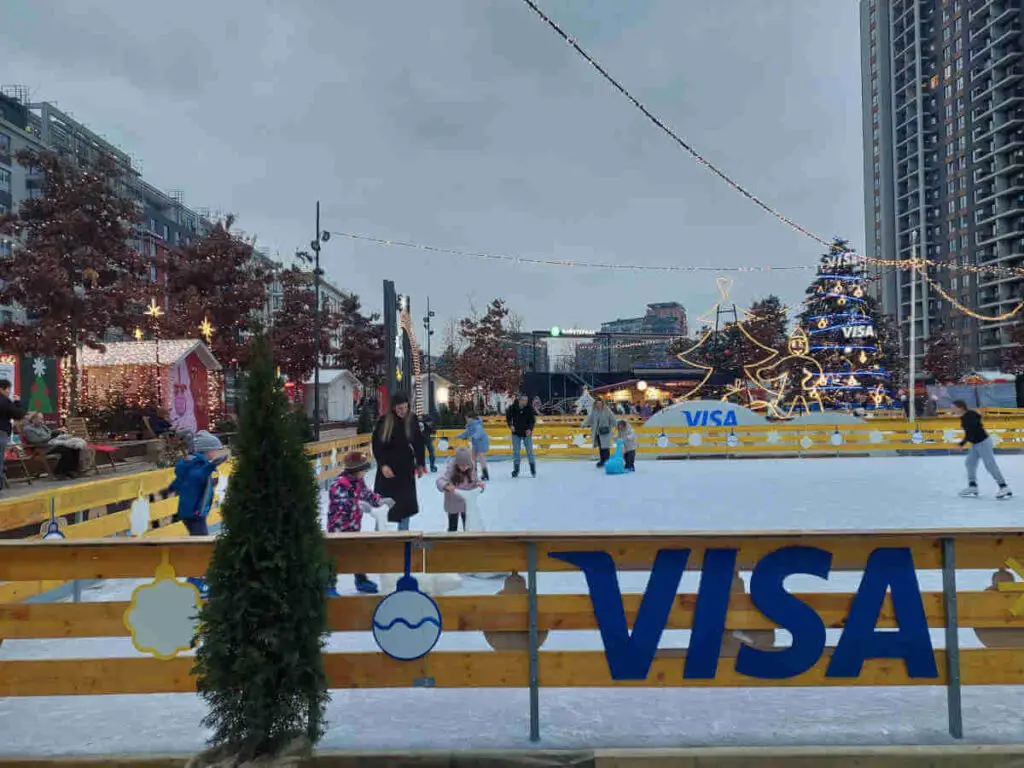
[[849, 493]]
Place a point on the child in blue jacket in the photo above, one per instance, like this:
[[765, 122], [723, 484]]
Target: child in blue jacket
[[479, 442], [194, 483]]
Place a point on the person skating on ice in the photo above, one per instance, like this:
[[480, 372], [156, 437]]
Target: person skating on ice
[[458, 475], [601, 422], [629, 444], [479, 442], [981, 450], [521, 418], [345, 514]]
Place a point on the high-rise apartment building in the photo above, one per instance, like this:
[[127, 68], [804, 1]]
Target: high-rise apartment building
[[943, 98]]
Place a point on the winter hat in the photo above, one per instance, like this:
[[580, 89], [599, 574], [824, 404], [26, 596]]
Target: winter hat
[[356, 461], [463, 458], [204, 442]]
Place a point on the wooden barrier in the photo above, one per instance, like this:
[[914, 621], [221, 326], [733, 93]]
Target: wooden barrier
[[869, 436], [885, 599], [96, 509]]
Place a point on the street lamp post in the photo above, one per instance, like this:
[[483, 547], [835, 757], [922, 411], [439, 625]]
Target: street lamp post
[[322, 235], [430, 379]]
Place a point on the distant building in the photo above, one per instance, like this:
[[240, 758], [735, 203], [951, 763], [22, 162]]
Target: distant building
[[621, 353], [527, 357]]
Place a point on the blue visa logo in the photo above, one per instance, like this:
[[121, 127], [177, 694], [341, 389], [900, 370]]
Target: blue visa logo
[[630, 654], [710, 418]]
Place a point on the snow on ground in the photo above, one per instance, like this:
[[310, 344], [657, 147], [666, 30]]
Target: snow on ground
[[849, 493]]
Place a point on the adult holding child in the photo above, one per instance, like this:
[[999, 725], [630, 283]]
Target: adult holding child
[[399, 449]]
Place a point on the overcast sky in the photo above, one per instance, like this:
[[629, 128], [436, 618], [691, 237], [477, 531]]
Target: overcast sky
[[469, 124]]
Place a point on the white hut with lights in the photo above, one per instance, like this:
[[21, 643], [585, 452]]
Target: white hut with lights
[[181, 375]]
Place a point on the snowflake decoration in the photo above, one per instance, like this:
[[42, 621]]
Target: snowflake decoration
[[163, 615], [39, 367]]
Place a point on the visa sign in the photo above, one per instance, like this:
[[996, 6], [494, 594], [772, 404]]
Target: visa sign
[[714, 418], [630, 654]]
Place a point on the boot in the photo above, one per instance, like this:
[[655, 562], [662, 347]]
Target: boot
[[533, 469], [366, 586], [515, 471], [1004, 492], [970, 490], [485, 475]]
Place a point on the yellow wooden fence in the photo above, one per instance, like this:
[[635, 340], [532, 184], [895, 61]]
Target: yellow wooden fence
[[86, 507], [773, 439], [518, 623]]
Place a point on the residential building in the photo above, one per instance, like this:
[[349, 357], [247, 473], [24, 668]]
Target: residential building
[[634, 340], [943, 119], [529, 358]]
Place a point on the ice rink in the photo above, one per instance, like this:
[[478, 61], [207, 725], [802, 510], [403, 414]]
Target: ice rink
[[785, 495]]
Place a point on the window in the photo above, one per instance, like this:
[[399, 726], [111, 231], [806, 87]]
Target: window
[[952, 244], [958, 46], [949, 130], [963, 222], [960, 83], [965, 241], [959, 25], [963, 183], [167, 232], [152, 274], [4, 209], [5, 145], [952, 207], [963, 143], [961, 123], [946, 33], [963, 203], [874, 100], [949, 150], [5, 180], [949, 111], [951, 188], [948, 92], [948, 72], [959, 65]]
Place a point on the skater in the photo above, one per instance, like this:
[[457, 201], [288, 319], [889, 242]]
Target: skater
[[479, 442], [398, 447], [981, 450], [459, 475], [521, 419], [194, 483], [429, 428], [629, 444], [345, 513], [601, 422]]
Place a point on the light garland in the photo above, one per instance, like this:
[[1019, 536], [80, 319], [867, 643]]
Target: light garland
[[967, 310]]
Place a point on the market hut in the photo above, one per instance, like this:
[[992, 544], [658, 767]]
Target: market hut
[[181, 375]]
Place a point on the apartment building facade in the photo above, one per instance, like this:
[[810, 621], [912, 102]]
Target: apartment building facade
[[943, 125]]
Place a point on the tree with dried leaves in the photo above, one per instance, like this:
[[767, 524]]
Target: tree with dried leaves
[[292, 338], [74, 272], [216, 278], [944, 358], [1013, 357], [362, 343], [489, 361]]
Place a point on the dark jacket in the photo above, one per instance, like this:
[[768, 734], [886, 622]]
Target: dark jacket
[[8, 411], [520, 419], [402, 453], [974, 432], [194, 485]]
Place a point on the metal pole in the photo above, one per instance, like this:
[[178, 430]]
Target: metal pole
[[913, 328], [953, 702], [531, 572], [316, 327], [430, 378]]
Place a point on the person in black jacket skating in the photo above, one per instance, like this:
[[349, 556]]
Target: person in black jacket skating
[[398, 448], [521, 419], [429, 429], [981, 450], [9, 411]]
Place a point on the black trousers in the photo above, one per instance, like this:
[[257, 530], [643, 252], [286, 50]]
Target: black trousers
[[67, 459], [605, 454], [629, 457], [453, 522]]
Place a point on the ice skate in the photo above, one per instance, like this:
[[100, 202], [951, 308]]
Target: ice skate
[[485, 476], [1004, 492], [971, 491], [366, 586], [533, 469], [515, 471]]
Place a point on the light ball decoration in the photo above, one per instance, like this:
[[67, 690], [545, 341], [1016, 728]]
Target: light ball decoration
[[641, 385]]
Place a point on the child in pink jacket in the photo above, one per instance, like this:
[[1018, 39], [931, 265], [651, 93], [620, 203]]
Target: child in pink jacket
[[460, 474], [344, 513]]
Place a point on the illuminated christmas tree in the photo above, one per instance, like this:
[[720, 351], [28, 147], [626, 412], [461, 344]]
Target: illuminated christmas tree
[[839, 318]]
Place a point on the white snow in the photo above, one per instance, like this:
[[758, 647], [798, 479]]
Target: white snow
[[848, 493]]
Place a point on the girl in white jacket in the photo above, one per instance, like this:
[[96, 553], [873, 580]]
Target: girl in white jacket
[[629, 444]]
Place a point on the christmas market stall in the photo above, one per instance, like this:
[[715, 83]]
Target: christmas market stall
[[180, 375]]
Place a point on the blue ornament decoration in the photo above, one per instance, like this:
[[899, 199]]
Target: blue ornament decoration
[[407, 623]]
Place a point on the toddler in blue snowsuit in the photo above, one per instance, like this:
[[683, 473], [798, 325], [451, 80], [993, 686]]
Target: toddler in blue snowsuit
[[194, 483], [479, 442]]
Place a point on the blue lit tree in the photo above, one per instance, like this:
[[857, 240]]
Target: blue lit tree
[[848, 338]]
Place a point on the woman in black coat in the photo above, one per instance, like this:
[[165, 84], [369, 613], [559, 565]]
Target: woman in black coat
[[398, 448]]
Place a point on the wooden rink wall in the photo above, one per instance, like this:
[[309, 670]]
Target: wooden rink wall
[[524, 618], [887, 435]]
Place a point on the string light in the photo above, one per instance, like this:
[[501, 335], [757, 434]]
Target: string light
[[967, 310]]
